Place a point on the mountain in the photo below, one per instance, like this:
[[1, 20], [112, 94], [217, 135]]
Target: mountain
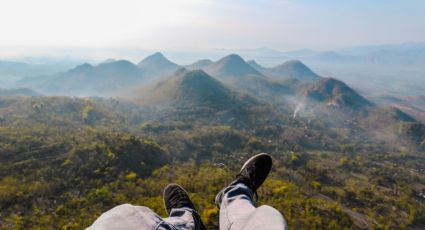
[[232, 66], [193, 89], [256, 66], [8, 67], [11, 71], [18, 92], [332, 103], [237, 73], [88, 80], [412, 105], [157, 65], [334, 93], [292, 69], [201, 64], [395, 55], [23, 69]]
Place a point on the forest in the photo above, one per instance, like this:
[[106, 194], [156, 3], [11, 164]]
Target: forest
[[66, 160]]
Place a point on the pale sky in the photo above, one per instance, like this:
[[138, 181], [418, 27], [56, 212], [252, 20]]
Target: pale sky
[[105, 27]]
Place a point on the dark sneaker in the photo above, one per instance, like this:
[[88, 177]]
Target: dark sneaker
[[255, 171], [176, 197], [253, 174]]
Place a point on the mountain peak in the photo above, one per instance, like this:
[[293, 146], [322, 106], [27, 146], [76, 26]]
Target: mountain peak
[[295, 62], [232, 66], [295, 65], [82, 68], [233, 58], [157, 64], [197, 76], [200, 64], [157, 55], [117, 63], [293, 69], [195, 80], [334, 93]]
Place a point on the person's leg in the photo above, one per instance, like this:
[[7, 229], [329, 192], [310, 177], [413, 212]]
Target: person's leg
[[182, 214], [129, 217], [236, 203], [264, 217], [183, 218], [237, 210]]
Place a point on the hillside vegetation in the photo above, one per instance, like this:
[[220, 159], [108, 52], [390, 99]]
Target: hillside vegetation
[[65, 161]]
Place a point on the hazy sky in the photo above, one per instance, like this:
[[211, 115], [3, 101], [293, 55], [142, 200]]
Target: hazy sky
[[101, 26]]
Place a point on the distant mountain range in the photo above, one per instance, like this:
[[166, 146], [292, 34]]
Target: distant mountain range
[[272, 83], [404, 54], [216, 82], [23, 92], [12, 71], [88, 80], [229, 90], [111, 76]]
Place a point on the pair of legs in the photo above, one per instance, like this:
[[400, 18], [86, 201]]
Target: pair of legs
[[237, 210]]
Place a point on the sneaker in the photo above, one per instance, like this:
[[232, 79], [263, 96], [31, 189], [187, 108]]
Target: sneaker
[[253, 174], [176, 197]]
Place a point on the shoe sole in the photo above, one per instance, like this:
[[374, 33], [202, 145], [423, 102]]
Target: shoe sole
[[163, 194], [253, 158]]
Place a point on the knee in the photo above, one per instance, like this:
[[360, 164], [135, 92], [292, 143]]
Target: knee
[[128, 209], [123, 207], [267, 208], [127, 215], [273, 214]]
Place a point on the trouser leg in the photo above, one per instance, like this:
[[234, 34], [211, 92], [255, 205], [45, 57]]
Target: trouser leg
[[128, 217], [237, 211], [236, 203], [182, 218]]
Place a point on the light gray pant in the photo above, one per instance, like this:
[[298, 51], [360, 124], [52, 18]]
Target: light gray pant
[[129, 217], [236, 213]]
